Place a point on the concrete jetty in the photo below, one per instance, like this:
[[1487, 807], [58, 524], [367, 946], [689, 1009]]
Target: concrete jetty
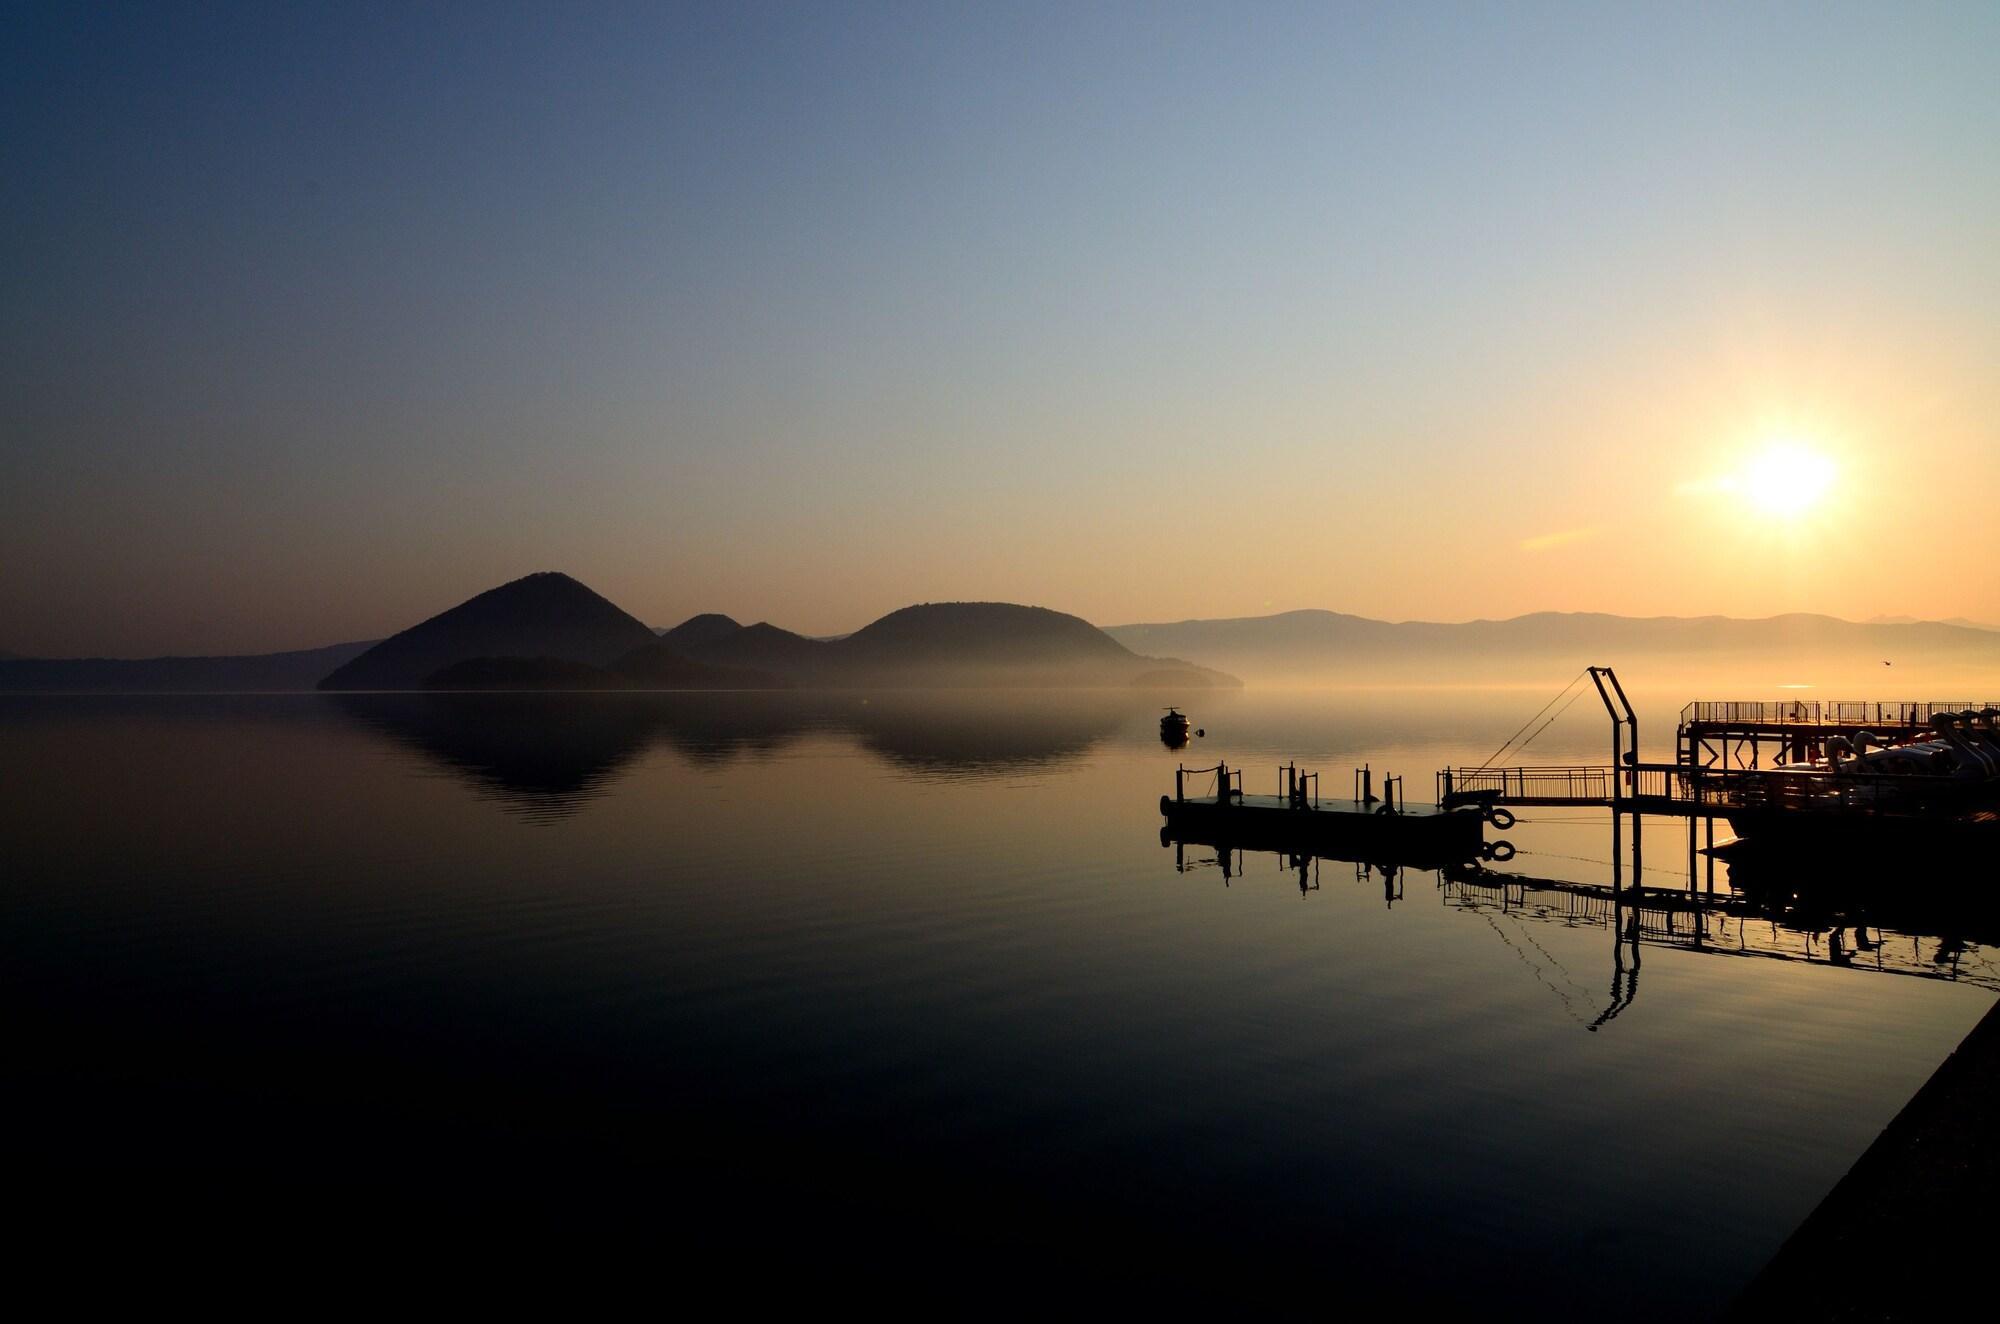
[[1905, 1234]]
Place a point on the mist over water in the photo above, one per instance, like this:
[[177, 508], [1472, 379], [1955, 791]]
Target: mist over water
[[914, 977]]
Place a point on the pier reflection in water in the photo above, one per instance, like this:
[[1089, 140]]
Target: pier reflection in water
[[1894, 916]]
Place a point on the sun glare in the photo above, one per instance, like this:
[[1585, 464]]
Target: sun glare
[[1786, 478]]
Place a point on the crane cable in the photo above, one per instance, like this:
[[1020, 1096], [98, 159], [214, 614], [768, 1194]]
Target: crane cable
[[1574, 680], [1551, 722]]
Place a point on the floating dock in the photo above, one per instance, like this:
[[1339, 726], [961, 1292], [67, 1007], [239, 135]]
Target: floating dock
[[1297, 820]]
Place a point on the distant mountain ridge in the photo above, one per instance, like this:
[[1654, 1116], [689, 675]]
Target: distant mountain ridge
[[1315, 645], [1960, 621], [299, 669], [549, 615], [547, 631], [950, 643]]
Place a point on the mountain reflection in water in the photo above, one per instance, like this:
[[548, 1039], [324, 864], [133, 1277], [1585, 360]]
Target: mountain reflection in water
[[544, 756]]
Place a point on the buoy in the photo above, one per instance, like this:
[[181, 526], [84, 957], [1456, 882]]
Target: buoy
[[1500, 817], [1500, 852]]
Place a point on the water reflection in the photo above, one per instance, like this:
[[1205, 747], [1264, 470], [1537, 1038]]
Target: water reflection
[[541, 760], [1231, 862], [544, 757], [267, 983], [1880, 916], [985, 736]]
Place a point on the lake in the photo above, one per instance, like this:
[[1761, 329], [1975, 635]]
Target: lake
[[904, 992]]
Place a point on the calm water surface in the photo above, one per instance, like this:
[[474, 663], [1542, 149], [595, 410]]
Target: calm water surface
[[908, 989]]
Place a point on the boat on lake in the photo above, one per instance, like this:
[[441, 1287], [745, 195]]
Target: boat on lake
[[1935, 784]]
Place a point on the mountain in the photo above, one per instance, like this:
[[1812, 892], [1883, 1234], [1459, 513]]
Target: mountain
[[534, 632], [1331, 647], [517, 673], [647, 667], [764, 647], [1949, 620], [547, 631], [298, 670], [962, 644], [657, 667], [696, 631], [980, 633], [547, 615]]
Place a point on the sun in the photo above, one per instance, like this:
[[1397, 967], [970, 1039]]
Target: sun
[[1785, 477]]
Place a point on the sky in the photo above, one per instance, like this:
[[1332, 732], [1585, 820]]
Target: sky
[[316, 321]]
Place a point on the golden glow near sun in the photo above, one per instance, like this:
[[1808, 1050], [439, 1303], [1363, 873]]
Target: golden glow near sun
[[1785, 477]]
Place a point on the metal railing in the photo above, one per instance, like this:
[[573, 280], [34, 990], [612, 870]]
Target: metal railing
[[1812, 789], [1568, 783], [1824, 712], [1662, 781]]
